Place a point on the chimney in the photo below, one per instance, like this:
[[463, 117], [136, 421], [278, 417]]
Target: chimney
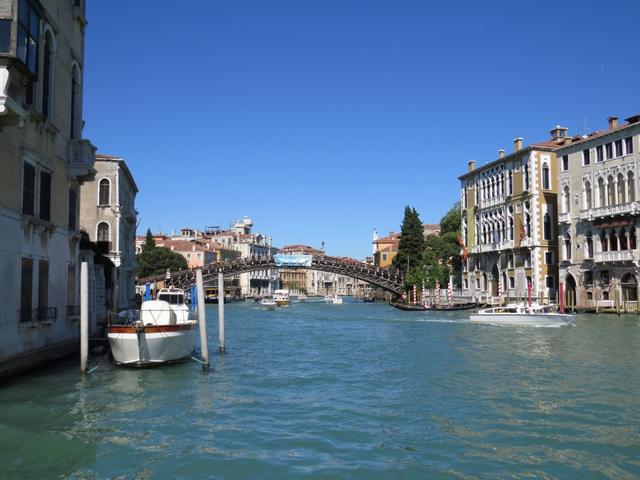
[[472, 165], [558, 133], [613, 122], [501, 153], [517, 144]]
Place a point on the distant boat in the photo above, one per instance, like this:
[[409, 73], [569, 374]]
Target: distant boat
[[268, 303], [281, 297], [333, 299], [534, 315], [163, 331], [410, 307]]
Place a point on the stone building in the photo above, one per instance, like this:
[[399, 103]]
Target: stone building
[[600, 215], [44, 162], [108, 214], [509, 223]]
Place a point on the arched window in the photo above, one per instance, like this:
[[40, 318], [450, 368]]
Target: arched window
[[47, 75], [567, 246], [622, 191], [527, 224], [604, 242], [545, 177], [623, 239], [602, 193], [611, 191], [632, 239], [76, 103], [526, 176], [103, 232], [547, 233], [631, 187], [566, 197], [587, 195], [589, 249], [104, 196]]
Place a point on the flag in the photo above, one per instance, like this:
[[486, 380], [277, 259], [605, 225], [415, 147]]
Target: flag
[[523, 233], [464, 253]]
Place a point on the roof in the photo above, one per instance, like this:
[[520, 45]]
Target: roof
[[300, 248], [547, 146], [580, 140], [112, 158], [391, 238]]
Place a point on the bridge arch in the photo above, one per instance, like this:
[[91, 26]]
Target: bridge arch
[[386, 279]]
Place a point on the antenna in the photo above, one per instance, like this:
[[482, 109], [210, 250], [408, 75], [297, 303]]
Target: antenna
[[584, 124]]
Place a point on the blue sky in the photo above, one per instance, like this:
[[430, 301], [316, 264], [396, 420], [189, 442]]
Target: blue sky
[[322, 119]]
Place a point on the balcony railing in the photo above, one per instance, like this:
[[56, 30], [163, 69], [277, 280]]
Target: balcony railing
[[564, 217], [616, 256], [38, 314], [82, 156], [493, 247], [609, 211]]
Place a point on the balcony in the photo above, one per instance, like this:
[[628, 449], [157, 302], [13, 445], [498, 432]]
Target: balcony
[[493, 247], [564, 217], [610, 211], [11, 114], [82, 156], [616, 256]]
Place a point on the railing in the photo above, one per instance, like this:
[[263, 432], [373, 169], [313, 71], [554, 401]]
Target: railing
[[564, 217], [616, 256], [38, 314], [608, 211], [492, 247], [82, 156]]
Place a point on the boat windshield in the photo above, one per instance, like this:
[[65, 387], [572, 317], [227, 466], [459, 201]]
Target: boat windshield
[[173, 299]]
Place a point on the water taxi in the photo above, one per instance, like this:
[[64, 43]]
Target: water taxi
[[163, 331], [533, 315], [281, 297], [333, 299], [268, 303]]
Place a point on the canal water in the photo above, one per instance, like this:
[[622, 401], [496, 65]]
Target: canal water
[[343, 391]]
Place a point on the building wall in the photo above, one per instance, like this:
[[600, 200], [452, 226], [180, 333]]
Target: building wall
[[29, 136]]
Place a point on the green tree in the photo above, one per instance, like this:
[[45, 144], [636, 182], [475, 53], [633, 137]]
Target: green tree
[[149, 242], [411, 246], [154, 260], [451, 221]]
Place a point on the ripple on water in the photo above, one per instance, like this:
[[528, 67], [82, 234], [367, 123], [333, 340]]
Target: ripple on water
[[356, 391]]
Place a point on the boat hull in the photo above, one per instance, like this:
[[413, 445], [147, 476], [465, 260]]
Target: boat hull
[[151, 345], [523, 319]]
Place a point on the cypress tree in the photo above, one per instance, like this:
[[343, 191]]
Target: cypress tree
[[411, 247]]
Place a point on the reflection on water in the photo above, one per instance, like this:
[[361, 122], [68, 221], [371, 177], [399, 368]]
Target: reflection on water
[[357, 390]]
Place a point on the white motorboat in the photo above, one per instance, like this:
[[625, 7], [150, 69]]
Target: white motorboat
[[268, 303], [163, 331], [281, 297], [333, 299], [533, 315]]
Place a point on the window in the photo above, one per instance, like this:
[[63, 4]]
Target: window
[[545, 177], [5, 35], [45, 196], [477, 283], [608, 148], [589, 295], [384, 257], [71, 285], [628, 145], [565, 163], [74, 124], [550, 281], [586, 157], [47, 77], [546, 230], [589, 249], [618, 148], [588, 277], [28, 189], [526, 177], [73, 209], [510, 183], [548, 258], [103, 232], [566, 197], [26, 289], [43, 289], [567, 247], [512, 282], [605, 295], [527, 259], [28, 35], [604, 276], [104, 192], [599, 154]]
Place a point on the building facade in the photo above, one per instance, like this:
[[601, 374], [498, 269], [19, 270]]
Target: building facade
[[600, 215], [44, 162], [108, 214], [509, 223]]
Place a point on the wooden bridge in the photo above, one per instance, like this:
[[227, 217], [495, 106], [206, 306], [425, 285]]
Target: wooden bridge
[[389, 280]]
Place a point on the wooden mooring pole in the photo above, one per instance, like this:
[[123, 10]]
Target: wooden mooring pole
[[202, 320], [220, 312], [84, 316]]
